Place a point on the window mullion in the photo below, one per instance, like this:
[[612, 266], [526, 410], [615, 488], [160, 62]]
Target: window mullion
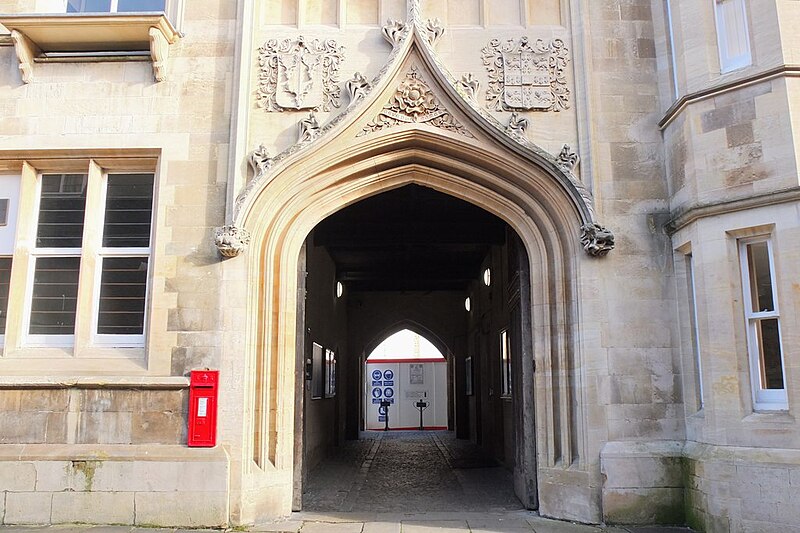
[[90, 258], [21, 263]]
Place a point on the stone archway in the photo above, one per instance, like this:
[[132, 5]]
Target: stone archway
[[350, 160]]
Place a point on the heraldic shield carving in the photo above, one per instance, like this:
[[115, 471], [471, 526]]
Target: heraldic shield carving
[[525, 75], [297, 74]]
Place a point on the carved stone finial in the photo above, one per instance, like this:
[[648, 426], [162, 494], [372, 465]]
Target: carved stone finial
[[517, 125], [299, 74], [231, 241], [394, 31], [567, 160], [414, 103], [357, 88], [526, 75], [596, 240], [434, 30], [468, 85], [259, 160], [309, 129]]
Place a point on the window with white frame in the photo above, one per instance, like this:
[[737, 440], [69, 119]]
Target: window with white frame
[[733, 36], [115, 6], [505, 361], [91, 256], [763, 324], [317, 371]]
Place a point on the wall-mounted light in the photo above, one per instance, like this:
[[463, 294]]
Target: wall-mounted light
[[339, 289], [487, 277], [468, 304]]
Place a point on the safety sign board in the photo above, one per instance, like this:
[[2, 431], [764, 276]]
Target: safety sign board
[[377, 383], [376, 392], [388, 392], [387, 374], [388, 383], [376, 374]]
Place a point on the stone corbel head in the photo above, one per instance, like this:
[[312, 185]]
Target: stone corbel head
[[231, 241], [309, 129], [596, 240]]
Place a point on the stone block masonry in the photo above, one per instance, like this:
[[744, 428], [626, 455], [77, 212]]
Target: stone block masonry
[[108, 484]]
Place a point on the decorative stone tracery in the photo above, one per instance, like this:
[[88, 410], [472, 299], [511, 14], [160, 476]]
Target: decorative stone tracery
[[526, 75], [299, 74], [394, 31], [413, 102], [357, 88], [259, 160]]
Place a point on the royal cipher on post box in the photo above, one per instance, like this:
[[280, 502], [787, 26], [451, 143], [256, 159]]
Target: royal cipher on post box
[[203, 391]]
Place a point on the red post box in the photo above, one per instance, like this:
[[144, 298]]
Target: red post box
[[203, 390]]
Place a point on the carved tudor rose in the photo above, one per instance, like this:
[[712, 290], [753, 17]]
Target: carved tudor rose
[[231, 241], [413, 102], [596, 240], [525, 75], [297, 74]]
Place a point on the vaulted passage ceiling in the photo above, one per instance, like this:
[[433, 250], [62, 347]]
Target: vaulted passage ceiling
[[409, 239]]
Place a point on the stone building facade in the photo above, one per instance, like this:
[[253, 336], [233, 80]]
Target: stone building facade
[[179, 178]]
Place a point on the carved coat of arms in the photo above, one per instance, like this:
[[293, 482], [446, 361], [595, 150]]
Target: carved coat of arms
[[299, 74], [526, 75]]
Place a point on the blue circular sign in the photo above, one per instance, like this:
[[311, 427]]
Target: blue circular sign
[[388, 374], [376, 392], [376, 374], [388, 392], [382, 410]]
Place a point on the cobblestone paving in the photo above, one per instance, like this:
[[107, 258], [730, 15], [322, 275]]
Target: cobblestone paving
[[402, 471]]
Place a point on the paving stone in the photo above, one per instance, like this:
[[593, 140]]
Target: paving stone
[[382, 527], [435, 526], [328, 527], [499, 525], [283, 526]]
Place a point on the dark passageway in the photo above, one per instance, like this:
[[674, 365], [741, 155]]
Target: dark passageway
[[403, 471]]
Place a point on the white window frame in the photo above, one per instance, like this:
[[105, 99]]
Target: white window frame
[[172, 8], [727, 62], [763, 399], [90, 275]]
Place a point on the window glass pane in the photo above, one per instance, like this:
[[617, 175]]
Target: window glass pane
[[61, 210], [317, 372], [88, 6], [123, 288], [55, 296], [760, 277], [769, 348], [330, 374], [3, 211], [140, 5], [5, 279], [129, 209]]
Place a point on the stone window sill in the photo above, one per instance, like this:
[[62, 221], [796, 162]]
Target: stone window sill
[[74, 37]]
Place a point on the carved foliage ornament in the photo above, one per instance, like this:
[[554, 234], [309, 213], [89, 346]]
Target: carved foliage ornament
[[567, 160], [298, 74], [526, 75], [596, 240], [413, 102], [231, 241]]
